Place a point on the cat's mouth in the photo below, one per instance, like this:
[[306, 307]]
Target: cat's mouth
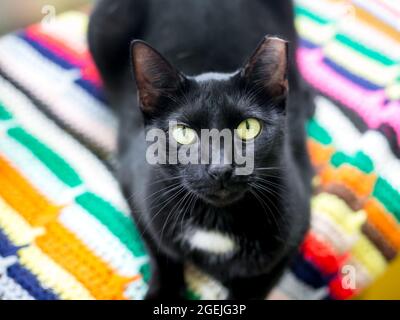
[[222, 197]]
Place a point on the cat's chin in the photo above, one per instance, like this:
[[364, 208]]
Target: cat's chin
[[222, 198]]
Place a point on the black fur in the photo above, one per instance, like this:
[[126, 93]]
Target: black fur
[[197, 37]]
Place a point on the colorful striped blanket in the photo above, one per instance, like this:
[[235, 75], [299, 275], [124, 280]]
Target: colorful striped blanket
[[65, 230]]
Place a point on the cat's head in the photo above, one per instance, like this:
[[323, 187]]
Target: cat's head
[[247, 109]]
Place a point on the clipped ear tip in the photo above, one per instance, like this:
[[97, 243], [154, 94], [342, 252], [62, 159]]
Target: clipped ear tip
[[139, 47], [275, 42]]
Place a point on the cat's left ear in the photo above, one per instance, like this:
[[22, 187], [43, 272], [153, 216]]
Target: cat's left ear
[[155, 76], [267, 67]]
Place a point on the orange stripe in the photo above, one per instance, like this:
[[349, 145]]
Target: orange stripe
[[383, 221], [370, 19], [23, 197], [69, 252], [319, 154], [357, 181]]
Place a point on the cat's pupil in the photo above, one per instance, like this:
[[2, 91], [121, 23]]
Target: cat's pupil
[[184, 131], [247, 125]]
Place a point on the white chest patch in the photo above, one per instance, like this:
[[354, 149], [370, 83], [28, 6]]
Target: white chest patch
[[211, 241]]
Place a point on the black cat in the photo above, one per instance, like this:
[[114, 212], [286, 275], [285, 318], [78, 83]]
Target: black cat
[[241, 229]]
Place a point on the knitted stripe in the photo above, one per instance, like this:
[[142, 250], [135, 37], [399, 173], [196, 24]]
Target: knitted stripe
[[321, 254], [307, 28], [369, 105], [97, 238], [30, 283], [291, 286], [15, 227], [376, 23], [93, 117], [36, 42], [375, 8], [376, 72], [366, 36], [69, 252], [18, 274], [76, 59], [51, 275], [120, 225], [50, 159], [85, 164], [384, 246], [36, 209], [10, 290], [384, 222], [35, 172]]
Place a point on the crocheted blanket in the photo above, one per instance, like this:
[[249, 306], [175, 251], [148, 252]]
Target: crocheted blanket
[[65, 229]]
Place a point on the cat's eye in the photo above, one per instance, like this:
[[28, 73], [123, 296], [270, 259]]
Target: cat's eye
[[249, 129], [183, 134]]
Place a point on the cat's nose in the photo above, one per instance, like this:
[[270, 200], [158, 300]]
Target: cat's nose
[[221, 172]]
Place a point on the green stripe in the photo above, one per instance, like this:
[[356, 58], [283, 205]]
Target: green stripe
[[314, 130], [145, 272], [120, 226], [311, 15], [4, 114], [360, 160], [51, 160], [364, 50], [388, 196], [190, 295]]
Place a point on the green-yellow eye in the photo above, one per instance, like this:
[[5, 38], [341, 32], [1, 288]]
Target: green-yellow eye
[[249, 129], [183, 134]]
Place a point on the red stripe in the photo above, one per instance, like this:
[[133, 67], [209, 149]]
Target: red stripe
[[338, 291], [322, 255], [82, 60]]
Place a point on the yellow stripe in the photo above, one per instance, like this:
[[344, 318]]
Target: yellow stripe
[[17, 229], [52, 275], [314, 32], [393, 91], [339, 212], [369, 256]]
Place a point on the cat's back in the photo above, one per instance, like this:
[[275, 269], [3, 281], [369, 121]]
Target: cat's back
[[208, 35], [196, 36]]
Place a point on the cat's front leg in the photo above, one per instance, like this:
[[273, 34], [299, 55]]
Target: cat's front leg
[[257, 287], [167, 279]]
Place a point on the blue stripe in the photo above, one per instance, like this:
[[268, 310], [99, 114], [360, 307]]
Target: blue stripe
[[92, 90], [307, 44], [21, 275], [46, 52], [352, 77], [308, 273], [30, 283], [84, 84], [7, 248]]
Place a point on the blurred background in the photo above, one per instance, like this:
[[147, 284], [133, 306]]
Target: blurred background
[[20, 13]]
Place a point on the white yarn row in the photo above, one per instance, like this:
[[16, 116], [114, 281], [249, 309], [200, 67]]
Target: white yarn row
[[361, 65], [56, 88], [370, 37], [95, 175], [11, 290], [381, 12], [295, 289], [38, 174]]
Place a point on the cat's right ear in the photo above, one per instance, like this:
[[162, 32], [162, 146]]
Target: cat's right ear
[[155, 77]]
